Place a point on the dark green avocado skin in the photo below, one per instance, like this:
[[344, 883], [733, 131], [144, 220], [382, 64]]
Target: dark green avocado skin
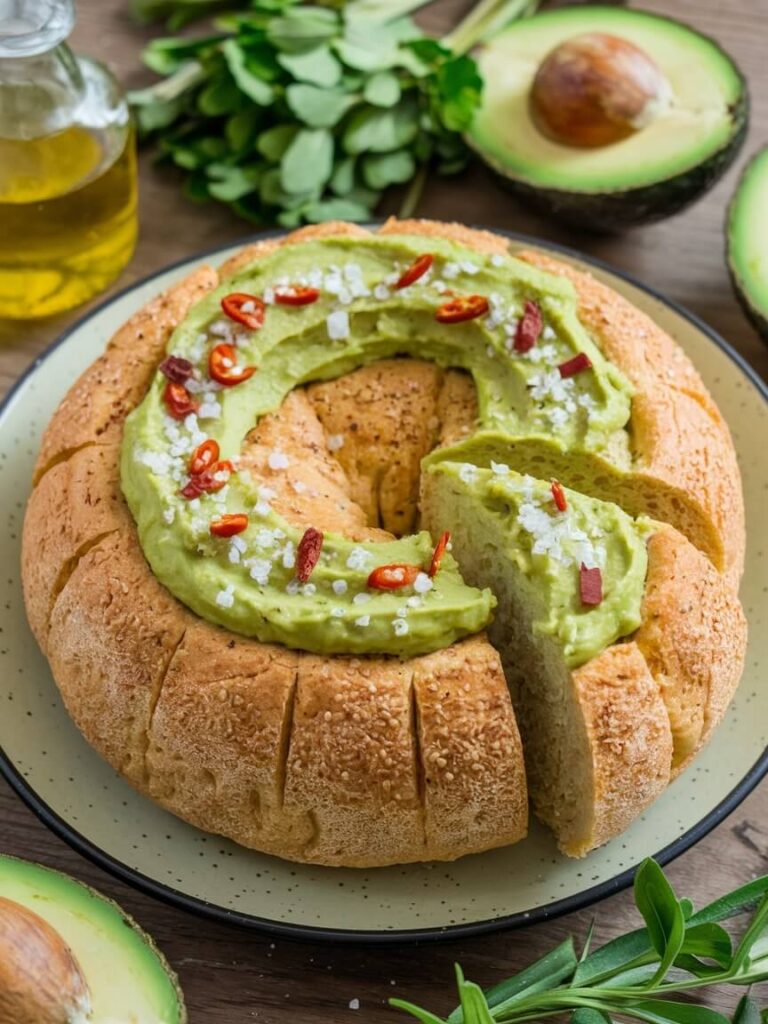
[[611, 212], [757, 317]]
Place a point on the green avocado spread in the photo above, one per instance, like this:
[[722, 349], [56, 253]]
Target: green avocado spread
[[541, 551], [248, 583]]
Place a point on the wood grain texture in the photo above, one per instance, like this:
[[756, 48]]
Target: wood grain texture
[[231, 977]]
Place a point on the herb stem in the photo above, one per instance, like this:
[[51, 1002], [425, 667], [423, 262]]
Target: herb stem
[[383, 10], [484, 18], [412, 197], [189, 75]]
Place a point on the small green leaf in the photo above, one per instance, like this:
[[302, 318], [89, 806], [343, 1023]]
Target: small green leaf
[[474, 1006], [366, 58], [383, 169], [302, 29], [166, 56], [220, 96], [549, 971], [318, 66], [747, 1012], [232, 183], [308, 162], [240, 129], [623, 952], [416, 1011], [153, 116], [377, 130], [316, 107], [272, 193], [343, 177], [661, 912], [584, 1015], [460, 87], [273, 142], [708, 940], [736, 902], [254, 88], [336, 209], [382, 89], [687, 906]]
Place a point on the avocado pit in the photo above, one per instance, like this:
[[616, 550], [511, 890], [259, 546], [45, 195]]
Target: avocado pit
[[40, 980], [596, 89]]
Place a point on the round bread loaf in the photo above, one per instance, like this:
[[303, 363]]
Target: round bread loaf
[[374, 760]]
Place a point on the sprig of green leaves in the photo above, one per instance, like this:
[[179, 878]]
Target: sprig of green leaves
[[678, 951], [292, 113]]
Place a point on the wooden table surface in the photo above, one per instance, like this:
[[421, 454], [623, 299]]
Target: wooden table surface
[[232, 976]]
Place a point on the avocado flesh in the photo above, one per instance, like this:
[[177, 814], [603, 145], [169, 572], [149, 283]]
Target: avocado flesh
[[128, 978], [747, 246], [650, 174]]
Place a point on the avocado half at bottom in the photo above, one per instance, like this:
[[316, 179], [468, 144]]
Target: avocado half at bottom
[[651, 174], [77, 957], [747, 243]]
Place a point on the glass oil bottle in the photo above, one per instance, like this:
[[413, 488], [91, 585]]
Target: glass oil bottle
[[67, 166]]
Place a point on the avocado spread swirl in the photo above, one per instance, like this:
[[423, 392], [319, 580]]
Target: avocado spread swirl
[[248, 583]]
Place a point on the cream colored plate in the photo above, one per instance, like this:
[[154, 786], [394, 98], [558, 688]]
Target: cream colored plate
[[80, 797]]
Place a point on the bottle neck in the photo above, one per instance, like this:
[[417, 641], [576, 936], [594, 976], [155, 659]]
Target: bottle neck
[[32, 27]]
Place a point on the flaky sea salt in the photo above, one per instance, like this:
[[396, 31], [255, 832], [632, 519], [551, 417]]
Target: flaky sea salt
[[278, 460], [422, 584], [337, 324]]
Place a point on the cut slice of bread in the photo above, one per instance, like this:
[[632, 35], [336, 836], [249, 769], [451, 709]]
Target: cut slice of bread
[[604, 738]]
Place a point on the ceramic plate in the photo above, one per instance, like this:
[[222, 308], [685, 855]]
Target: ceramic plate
[[78, 796]]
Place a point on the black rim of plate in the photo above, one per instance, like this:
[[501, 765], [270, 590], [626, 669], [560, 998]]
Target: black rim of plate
[[536, 915]]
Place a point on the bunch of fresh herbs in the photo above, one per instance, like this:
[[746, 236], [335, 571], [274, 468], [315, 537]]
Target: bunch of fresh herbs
[[294, 113], [634, 975]]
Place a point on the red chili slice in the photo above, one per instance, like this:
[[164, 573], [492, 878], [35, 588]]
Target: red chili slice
[[296, 295], [558, 496], [437, 554], [463, 307], [203, 457], [529, 328], [178, 401], [308, 553], [577, 364], [207, 482], [221, 364], [590, 585], [417, 269], [392, 577], [229, 525], [177, 369], [233, 303]]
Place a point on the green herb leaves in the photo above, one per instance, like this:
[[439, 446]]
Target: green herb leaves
[[307, 105], [634, 975]]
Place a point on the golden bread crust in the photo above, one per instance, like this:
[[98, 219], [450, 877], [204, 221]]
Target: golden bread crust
[[693, 637], [630, 741], [341, 760]]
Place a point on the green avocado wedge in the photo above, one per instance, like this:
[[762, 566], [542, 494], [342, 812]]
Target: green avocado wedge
[[747, 249], [82, 936], [656, 171]]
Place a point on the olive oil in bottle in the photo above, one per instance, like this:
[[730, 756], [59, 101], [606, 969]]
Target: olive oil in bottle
[[67, 166]]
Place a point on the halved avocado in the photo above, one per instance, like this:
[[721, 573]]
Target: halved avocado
[[673, 153], [71, 956], [747, 243]]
